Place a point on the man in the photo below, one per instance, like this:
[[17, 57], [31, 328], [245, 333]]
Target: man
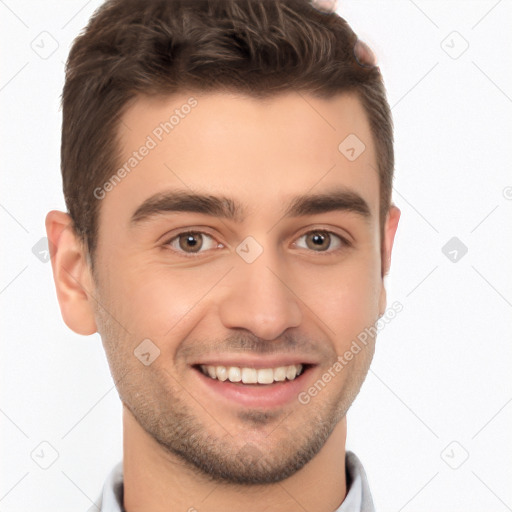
[[227, 169]]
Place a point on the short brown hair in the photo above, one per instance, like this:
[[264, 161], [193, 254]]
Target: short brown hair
[[257, 47]]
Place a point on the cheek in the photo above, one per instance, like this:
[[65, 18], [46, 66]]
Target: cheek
[[159, 302], [162, 303], [346, 297]]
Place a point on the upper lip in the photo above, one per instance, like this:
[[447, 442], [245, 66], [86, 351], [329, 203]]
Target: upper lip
[[254, 362]]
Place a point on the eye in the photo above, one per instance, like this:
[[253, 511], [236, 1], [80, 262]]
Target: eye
[[322, 240], [191, 242]]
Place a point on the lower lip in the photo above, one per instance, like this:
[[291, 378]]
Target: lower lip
[[257, 395]]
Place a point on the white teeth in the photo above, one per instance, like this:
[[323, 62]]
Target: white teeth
[[234, 374], [222, 373], [291, 372], [252, 375], [266, 376], [249, 376], [280, 373]]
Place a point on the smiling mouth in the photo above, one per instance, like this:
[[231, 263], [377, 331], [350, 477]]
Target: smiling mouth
[[247, 375]]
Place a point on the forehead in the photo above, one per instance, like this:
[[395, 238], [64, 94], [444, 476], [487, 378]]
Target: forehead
[[260, 151]]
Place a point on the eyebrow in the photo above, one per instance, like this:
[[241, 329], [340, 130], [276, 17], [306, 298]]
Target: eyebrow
[[230, 209]]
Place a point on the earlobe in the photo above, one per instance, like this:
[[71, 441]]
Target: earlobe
[[390, 228], [71, 274]]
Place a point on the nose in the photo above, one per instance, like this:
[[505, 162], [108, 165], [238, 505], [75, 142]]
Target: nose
[[261, 298]]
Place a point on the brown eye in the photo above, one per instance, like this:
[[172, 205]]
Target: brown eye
[[318, 240], [191, 242], [321, 241]]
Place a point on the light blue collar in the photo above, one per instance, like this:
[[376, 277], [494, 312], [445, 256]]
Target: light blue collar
[[358, 499]]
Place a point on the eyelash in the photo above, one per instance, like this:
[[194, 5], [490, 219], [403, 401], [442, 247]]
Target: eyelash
[[343, 241]]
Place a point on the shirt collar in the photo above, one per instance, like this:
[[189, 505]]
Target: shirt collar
[[358, 498]]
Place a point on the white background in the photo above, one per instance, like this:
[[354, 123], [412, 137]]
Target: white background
[[441, 372]]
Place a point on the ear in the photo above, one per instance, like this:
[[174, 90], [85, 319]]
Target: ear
[[390, 227], [71, 274]]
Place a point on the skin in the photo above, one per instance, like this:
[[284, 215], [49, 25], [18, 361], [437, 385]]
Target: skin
[[293, 299]]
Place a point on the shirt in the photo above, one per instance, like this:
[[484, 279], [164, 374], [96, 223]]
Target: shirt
[[358, 498]]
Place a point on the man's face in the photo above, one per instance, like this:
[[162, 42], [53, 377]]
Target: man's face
[[271, 288]]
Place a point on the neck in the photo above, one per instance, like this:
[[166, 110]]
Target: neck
[[157, 481]]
